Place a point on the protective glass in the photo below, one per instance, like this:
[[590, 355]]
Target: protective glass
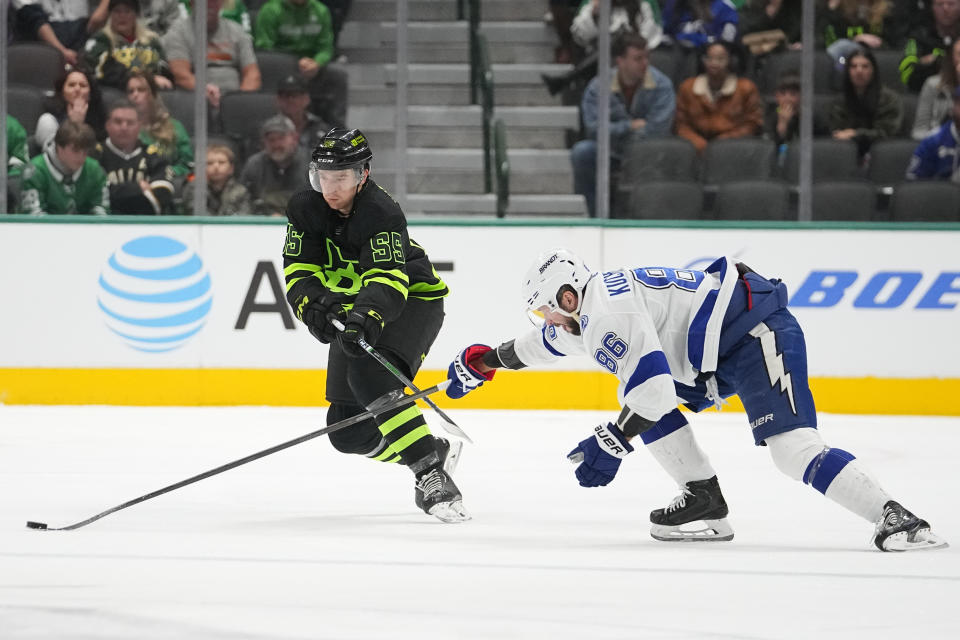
[[332, 180]]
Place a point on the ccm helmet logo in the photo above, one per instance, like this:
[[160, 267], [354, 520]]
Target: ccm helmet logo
[[549, 262]]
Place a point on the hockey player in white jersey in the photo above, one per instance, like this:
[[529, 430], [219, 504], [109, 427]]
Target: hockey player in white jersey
[[700, 336]]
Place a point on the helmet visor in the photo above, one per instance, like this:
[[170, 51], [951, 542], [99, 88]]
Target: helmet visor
[[334, 180]]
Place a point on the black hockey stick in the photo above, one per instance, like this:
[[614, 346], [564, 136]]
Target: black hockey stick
[[386, 404], [450, 427]]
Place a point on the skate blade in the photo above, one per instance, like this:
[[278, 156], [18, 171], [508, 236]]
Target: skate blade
[[449, 512], [710, 531], [920, 540], [453, 456]]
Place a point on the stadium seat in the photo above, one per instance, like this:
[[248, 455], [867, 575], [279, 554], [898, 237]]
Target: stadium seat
[[25, 103], [242, 113], [657, 159], [733, 159], [909, 113], [752, 200], [34, 64], [832, 160], [667, 200], [889, 159], [668, 61], [888, 68], [275, 66], [180, 105], [926, 201], [848, 200], [825, 76]]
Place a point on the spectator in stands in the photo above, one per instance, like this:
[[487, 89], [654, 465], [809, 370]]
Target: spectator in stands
[[771, 25], [16, 146], [141, 182], [844, 25], [231, 63], [911, 16], [560, 13], [639, 16], [926, 46], [274, 174], [694, 23], [225, 195], [936, 97], [641, 106], [293, 101], [63, 24], [718, 104], [159, 15], [303, 28], [866, 110], [64, 179], [937, 157], [782, 121], [77, 98], [157, 127], [125, 45], [16, 159]]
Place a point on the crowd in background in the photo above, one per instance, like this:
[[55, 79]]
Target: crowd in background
[[725, 46], [125, 59], [106, 142]]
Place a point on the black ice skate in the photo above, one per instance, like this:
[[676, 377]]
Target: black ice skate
[[900, 530], [435, 491], [698, 514]]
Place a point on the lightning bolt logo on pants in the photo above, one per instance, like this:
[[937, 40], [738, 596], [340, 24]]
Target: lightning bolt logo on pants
[[774, 362]]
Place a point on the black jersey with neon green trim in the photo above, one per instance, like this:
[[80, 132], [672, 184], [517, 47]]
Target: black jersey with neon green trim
[[368, 257]]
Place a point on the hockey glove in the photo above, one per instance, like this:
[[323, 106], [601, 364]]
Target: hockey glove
[[463, 377], [600, 456], [314, 313], [360, 324]]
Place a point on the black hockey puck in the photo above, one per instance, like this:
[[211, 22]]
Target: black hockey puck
[[36, 525]]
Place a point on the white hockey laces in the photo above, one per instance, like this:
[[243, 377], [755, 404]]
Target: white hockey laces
[[679, 502]]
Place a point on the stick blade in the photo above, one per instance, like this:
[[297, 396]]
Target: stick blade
[[36, 525]]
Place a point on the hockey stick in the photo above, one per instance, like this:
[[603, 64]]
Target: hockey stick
[[450, 427], [386, 404]]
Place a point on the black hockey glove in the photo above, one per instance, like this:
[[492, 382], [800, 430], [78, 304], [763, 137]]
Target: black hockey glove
[[314, 314], [361, 324]]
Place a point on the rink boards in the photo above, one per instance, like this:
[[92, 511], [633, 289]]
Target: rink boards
[[183, 313]]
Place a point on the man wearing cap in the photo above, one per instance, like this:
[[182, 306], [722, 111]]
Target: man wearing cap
[[304, 28], [276, 173], [936, 157], [292, 101]]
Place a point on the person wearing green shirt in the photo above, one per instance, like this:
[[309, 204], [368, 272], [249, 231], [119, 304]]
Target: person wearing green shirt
[[157, 127], [63, 179], [304, 29], [16, 146]]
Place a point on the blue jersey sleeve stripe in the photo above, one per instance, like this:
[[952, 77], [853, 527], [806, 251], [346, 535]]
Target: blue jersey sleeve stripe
[[697, 334], [650, 365], [546, 344], [664, 427]]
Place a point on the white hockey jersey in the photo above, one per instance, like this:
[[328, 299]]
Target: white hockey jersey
[[648, 326]]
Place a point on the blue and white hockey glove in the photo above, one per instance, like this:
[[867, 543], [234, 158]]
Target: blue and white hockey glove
[[600, 456], [463, 377]]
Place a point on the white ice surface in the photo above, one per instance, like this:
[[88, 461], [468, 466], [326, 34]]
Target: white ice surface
[[309, 543]]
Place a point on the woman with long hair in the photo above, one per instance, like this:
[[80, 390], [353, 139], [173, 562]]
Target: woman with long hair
[[157, 126], [76, 97], [935, 105], [866, 110]]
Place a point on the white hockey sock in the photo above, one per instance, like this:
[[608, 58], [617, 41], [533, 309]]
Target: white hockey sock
[[802, 455], [858, 491], [680, 456]]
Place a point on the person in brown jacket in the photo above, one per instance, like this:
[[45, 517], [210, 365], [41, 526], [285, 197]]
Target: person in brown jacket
[[718, 103]]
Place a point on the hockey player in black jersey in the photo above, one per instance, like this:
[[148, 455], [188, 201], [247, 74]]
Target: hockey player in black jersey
[[348, 256]]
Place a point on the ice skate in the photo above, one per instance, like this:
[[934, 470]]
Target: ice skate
[[900, 530], [698, 514], [435, 492]]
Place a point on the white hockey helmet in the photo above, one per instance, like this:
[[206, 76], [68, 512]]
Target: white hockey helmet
[[547, 275]]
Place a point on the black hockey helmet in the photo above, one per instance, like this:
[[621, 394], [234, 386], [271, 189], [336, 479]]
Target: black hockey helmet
[[341, 148]]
